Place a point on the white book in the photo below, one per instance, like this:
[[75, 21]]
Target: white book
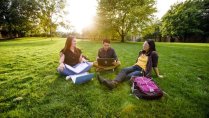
[[79, 67]]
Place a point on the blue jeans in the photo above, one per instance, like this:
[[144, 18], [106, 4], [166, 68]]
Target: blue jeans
[[128, 72], [67, 71]]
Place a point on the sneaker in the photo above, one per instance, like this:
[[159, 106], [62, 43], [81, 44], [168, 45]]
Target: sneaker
[[109, 83], [100, 79], [99, 69], [67, 77]]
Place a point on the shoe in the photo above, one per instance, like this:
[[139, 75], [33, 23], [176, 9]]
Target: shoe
[[68, 77], [111, 84], [101, 80], [99, 69]]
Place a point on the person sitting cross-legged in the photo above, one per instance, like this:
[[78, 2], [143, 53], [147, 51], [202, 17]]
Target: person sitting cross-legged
[[72, 56], [106, 52]]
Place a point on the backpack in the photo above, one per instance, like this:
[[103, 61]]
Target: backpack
[[145, 87]]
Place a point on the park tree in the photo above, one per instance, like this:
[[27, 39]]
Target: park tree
[[152, 30], [17, 17], [124, 16], [205, 19], [105, 31], [20, 17], [97, 31], [51, 15], [186, 19]]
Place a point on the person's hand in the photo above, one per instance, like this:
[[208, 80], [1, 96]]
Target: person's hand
[[61, 66], [114, 63], [160, 76], [84, 60]]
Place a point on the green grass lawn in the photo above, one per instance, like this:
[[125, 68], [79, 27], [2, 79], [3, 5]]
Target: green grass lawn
[[28, 71]]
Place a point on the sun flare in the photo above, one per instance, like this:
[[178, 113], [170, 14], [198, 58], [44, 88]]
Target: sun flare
[[81, 13]]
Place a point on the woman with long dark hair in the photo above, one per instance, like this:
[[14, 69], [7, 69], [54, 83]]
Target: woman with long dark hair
[[147, 59], [72, 56]]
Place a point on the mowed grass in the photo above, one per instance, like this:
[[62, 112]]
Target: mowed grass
[[31, 87]]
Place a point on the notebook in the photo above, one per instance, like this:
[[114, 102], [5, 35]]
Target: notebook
[[105, 61], [78, 68]]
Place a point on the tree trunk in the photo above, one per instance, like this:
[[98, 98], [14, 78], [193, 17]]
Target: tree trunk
[[51, 31], [160, 38], [122, 36], [50, 27], [185, 37], [10, 32]]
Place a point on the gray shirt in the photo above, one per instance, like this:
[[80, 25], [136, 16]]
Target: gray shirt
[[110, 53]]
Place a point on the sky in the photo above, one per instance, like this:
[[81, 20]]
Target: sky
[[164, 5], [81, 12]]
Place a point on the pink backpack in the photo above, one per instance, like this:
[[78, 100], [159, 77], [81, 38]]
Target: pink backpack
[[144, 87]]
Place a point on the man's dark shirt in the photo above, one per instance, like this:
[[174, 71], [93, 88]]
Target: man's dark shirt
[[110, 53]]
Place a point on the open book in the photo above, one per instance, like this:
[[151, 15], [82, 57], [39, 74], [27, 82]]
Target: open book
[[78, 68], [80, 78]]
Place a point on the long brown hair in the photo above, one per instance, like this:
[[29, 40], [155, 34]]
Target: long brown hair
[[68, 43]]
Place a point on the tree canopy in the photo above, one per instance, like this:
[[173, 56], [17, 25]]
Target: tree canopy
[[19, 17], [124, 16], [187, 19]]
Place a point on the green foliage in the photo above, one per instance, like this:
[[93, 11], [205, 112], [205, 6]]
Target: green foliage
[[124, 16], [20, 17], [152, 30], [185, 19], [17, 17], [28, 71], [51, 12]]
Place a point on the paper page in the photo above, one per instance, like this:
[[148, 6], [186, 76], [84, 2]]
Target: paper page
[[79, 68]]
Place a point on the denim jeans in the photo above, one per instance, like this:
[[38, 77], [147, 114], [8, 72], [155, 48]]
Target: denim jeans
[[67, 71], [128, 72]]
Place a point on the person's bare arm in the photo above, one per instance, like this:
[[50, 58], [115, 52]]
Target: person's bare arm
[[62, 58], [82, 59], [157, 72], [61, 61]]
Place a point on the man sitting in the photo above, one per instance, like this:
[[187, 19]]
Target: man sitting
[[107, 52]]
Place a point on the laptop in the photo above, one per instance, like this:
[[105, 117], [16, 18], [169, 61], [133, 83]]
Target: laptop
[[105, 61]]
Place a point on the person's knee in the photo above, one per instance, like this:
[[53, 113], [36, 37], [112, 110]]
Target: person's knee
[[59, 70], [118, 63], [129, 76], [124, 70], [90, 64], [95, 64]]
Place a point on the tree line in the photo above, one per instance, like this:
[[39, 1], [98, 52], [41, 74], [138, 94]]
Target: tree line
[[134, 20], [30, 17], [122, 20]]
